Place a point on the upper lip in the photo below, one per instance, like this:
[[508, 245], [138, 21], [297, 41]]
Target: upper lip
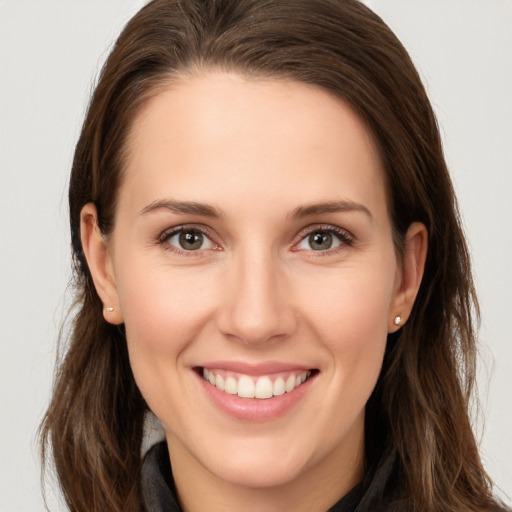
[[254, 369]]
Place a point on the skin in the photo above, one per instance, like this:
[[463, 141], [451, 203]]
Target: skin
[[256, 290]]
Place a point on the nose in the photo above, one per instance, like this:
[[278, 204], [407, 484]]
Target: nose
[[256, 306]]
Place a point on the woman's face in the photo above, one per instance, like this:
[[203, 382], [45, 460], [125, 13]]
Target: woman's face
[[252, 246]]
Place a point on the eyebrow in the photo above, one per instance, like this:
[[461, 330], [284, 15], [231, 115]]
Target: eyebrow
[[308, 210], [329, 207], [183, 207]]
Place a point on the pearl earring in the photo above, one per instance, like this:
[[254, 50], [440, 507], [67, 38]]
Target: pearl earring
[[397, 321], [109, 309]]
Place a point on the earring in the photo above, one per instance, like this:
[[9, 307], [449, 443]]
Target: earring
[[397, 321], [109, 309]]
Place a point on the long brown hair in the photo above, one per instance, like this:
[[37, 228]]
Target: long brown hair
[[94, 424]]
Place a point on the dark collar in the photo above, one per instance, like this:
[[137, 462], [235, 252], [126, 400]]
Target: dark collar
[[373, 494]]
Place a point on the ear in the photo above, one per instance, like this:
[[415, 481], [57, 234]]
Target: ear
[[409, 279], [99, 261]]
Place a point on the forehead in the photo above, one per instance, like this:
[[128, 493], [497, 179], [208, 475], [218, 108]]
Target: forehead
[[268, 136]]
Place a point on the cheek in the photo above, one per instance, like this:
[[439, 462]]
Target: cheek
[[161, 309], [352, 304], [163, 314], [351, 318]]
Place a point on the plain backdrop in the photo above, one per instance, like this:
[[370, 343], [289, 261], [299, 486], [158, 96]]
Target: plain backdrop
[[50, 54]]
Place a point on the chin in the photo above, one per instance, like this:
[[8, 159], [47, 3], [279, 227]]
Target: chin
[[254, 469], [258, 460]]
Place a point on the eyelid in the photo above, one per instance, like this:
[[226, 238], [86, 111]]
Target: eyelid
[[170, 232], [346, 237]]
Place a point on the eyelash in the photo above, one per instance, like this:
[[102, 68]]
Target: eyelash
[[344, 237], [164, 238]]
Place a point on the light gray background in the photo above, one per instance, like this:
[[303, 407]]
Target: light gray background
[[50, 52]]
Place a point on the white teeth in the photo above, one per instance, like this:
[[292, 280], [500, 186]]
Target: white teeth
[[219, 382], [263, 388], [252, 387], [290, 384], [245, 387], [231, 386], [278, 388]]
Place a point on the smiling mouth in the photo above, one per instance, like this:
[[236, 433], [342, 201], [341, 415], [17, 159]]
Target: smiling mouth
[[249, 386]]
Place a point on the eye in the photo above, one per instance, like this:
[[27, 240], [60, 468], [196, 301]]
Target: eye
[[323, 239], [187, 239]]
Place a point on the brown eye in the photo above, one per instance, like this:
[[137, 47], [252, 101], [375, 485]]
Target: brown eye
[[191, 240], [188, 240], [320, 241], [324, 239]]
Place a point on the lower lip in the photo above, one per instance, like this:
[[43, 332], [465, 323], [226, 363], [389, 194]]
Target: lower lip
[[255, 409]]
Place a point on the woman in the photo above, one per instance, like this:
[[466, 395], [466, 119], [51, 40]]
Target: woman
[[269, 258]]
